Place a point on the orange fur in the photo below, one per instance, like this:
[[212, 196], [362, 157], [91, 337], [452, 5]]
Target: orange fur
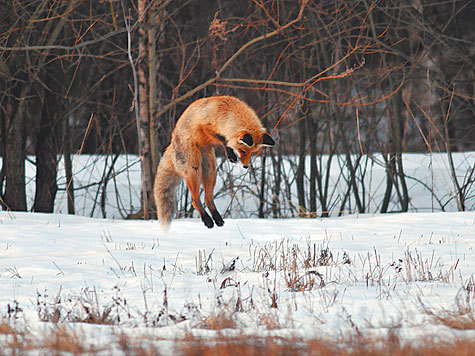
[[206, 123]]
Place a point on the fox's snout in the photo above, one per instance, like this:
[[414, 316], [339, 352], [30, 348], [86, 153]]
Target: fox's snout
[[246, 161], [249, 146], [245, 157]]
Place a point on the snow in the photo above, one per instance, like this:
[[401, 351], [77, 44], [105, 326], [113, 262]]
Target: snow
[[377, 273], [334, 277]]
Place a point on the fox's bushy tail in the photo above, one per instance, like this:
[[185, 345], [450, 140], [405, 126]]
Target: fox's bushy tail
[[164, 191]]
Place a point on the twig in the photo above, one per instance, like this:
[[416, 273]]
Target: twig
[[115, 259], [60, 270]]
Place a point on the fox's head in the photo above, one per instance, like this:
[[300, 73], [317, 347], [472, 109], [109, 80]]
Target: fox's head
[[248, 144]]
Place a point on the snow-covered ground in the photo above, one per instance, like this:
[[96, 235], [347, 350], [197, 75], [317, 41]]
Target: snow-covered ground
[[332, 277], [358, 274]]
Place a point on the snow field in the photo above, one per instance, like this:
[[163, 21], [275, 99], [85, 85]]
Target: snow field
[[334, 277]]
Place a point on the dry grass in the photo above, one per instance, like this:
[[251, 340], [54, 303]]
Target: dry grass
[[285, 254], [456, 321], [218, 321], [462, 318], [238, 347], [84, 308], [6, 329], [245, 346], [61, 339], [305, 268], [269, 321], [137, 346], [462, 315]]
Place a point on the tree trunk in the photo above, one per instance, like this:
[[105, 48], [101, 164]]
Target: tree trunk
[[352, 171], [46, 160], [262, 187], [277, 164], [14, 197], [394, 166], [390, 168], [153, 65], [68, 167], [300, 174], [397, 125], [459, 195], [144, 113], [312, 138]]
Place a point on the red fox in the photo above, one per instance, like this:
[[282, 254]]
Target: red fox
[[206, 123]]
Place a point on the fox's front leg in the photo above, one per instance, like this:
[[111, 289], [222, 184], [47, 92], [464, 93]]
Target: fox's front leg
[[231, 155], [193, 184], [229, 151], [208, 172]]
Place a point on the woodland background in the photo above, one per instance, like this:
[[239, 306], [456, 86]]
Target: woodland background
[[343, 80]]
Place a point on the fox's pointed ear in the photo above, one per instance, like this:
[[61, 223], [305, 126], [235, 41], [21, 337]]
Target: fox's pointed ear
[[267, 140], [247, 140]]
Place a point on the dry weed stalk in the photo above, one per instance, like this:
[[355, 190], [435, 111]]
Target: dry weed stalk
[[222, 319], [298, 280], [84, 308], [462, 317], [279, 255], [203, 263]]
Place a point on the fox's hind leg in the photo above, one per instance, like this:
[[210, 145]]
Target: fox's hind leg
[[193, 183], [192, 172], [208, 173]]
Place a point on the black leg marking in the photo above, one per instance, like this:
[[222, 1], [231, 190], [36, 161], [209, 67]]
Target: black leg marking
[[217, 218], [207, 220], [222, 138], [231, 155]]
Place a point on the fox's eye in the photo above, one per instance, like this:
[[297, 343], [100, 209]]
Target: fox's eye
[[242, 152]]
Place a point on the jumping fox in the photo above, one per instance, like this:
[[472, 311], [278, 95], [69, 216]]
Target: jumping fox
[[205, 124]]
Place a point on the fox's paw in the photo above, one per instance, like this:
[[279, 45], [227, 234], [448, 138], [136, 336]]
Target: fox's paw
[[217, 218], [231, 155], [207, 220]]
